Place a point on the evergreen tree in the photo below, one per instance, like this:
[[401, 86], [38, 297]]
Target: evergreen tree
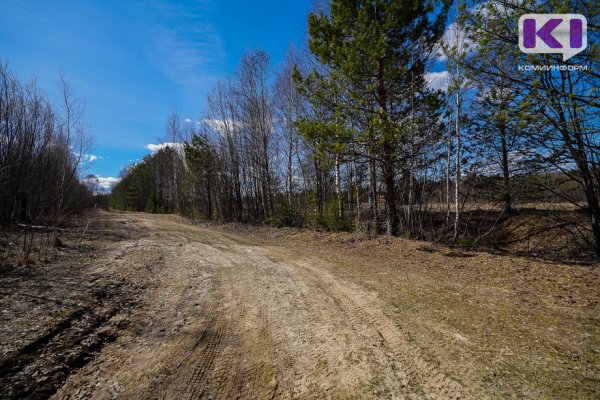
[[378, 51]]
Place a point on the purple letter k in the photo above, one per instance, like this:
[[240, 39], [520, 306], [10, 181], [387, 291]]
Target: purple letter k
[[545, 33]]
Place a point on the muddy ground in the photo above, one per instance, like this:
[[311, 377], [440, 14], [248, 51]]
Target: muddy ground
[[151, 306]]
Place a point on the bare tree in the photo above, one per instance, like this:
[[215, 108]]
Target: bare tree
[[41, 151]]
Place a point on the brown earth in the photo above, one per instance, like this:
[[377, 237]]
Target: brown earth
[[151, 306]]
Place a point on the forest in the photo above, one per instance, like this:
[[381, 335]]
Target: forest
[[355, 133]]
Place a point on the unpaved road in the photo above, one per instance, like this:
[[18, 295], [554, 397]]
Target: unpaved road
[[153, 307], [230, 320]]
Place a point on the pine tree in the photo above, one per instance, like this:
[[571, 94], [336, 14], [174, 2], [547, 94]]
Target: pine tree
[[378, 51]]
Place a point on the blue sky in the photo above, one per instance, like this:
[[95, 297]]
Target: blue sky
[[133, 62]]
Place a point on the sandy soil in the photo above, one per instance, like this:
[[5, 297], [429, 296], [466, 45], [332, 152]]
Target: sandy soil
[[152, 306]]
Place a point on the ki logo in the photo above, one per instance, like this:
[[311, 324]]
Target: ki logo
[[564, 34]]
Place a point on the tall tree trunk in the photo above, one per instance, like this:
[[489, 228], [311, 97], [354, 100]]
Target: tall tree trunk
[[338, 189], [372, 196], [357, 186], [350, 190], [319, 188], [388, 157], [505, 171], [209, 194], [409, 208], [289, 168], [457, 175], [389, 178], [448, 167]]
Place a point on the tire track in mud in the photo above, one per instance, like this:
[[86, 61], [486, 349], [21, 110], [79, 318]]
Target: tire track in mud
[[203, 361], [388, 344], [390, 355], [302, 348], [223, 362], [245, 369], [191, 353]]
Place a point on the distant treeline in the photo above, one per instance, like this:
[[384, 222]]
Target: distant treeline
[[357, 134], [41, 147]]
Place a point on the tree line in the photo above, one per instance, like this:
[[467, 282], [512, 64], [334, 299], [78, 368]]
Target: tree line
[[42, 146], [357, 133]]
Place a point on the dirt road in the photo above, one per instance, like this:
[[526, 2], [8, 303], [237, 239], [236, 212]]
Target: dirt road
[[231, 320], [155, 307]]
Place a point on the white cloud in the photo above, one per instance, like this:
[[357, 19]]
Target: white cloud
[[87, 157], [188, 120], [437, 80], [107, 182], [157, 147]]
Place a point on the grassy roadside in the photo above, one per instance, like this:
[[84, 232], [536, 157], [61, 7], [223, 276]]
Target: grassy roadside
[[504, 326]]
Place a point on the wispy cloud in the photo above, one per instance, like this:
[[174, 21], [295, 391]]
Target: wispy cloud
[[185, 45]]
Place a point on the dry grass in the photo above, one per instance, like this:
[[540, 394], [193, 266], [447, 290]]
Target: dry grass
[[512, 327]]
